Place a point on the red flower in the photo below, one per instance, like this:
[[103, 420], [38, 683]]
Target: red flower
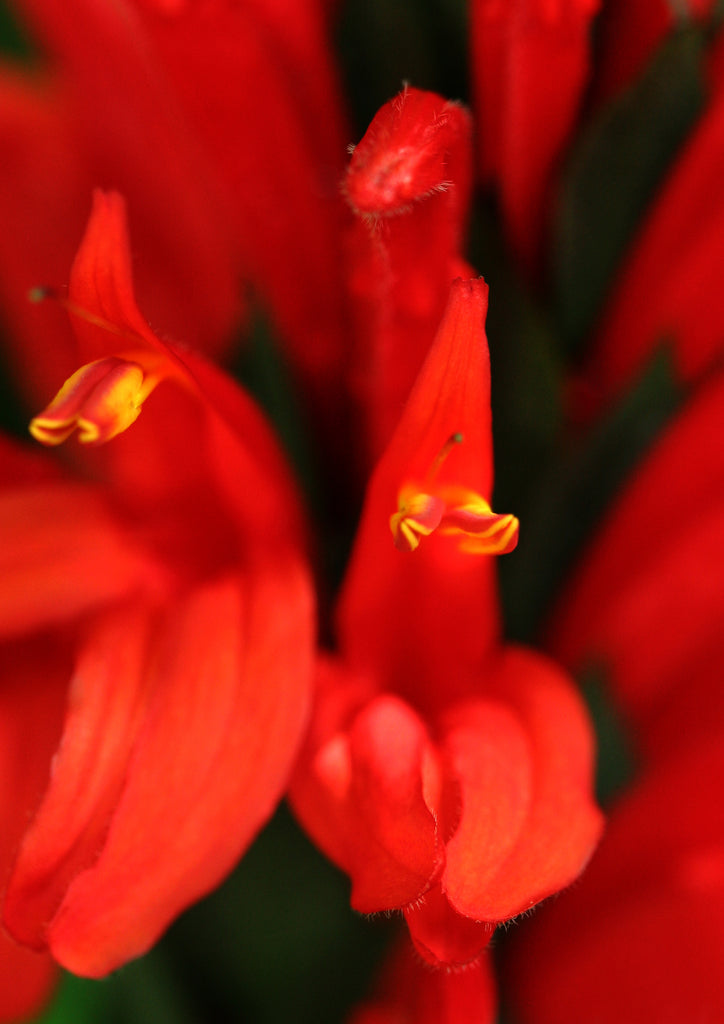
[[408, 184], [531, 62], [226, 183], [448, 774], [156, 599]]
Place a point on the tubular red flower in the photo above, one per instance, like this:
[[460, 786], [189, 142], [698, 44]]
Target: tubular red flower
[[449, 775], [177, 581], [409, 185], [525, 111]]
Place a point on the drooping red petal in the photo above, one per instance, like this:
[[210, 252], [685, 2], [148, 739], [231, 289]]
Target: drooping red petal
[[389, 751], [106, 705], [222, 718], [528, 821], [366, 788], [391, 597], [490, 757], [441, 936], [411, 993]]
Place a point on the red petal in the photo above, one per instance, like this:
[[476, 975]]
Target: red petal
[[397, 858], [32, 697], [526, 112], [443, 937], [436, 592], [366, 788], [528, 824], [668, 290], [101, 284], [229, 696], [63, 553], [106, 704], [490, 757]]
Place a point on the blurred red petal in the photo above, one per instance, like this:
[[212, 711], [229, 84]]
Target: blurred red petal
[[526, 112], [221, 727], [64, 553], [411, 993], [640, 937]]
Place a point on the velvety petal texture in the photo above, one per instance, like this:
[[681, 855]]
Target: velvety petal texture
[[179, 582]]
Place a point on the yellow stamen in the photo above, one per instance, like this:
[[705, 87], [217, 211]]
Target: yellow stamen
[[417, 516], [100, 400], [451, 509]]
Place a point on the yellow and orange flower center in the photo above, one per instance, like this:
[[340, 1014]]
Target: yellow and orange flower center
[[100, 400], [451, 509]]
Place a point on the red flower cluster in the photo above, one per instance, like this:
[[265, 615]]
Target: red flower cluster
[[162, 681]]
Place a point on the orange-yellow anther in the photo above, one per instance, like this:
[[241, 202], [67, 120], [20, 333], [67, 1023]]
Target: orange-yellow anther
[[481, 530], [417, 516], [100, 400], [452, 510]]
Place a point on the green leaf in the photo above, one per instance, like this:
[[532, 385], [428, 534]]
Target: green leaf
[[613, 173]]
